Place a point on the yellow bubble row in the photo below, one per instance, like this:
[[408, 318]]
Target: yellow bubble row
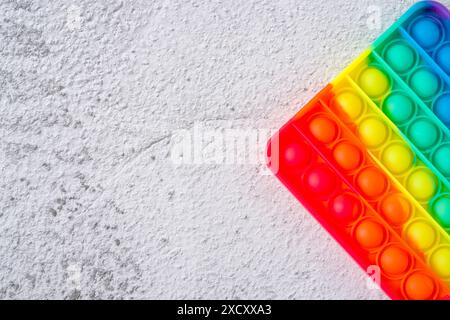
[[410, 175]]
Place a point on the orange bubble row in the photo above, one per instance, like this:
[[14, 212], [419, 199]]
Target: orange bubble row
[[346, 154]]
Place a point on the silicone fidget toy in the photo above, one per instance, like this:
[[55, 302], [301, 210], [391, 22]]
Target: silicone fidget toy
[[369, 156]]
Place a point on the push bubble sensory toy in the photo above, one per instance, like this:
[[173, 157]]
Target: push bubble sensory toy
[[369, 156]]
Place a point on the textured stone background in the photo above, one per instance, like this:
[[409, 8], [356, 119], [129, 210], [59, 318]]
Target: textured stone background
[[91, 91]]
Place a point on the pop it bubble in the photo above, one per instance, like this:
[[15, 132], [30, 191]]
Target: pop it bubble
[[369, 156]]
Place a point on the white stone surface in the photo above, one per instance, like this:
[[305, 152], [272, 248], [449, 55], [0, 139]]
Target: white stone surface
[[92, 206]]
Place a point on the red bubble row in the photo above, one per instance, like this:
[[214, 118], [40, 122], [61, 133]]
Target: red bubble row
[[339, 207]]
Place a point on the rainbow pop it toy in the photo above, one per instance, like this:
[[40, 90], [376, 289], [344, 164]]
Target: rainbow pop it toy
[[369, 156]]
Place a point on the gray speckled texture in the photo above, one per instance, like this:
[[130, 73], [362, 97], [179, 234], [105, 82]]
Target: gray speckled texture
[[91, 91]]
